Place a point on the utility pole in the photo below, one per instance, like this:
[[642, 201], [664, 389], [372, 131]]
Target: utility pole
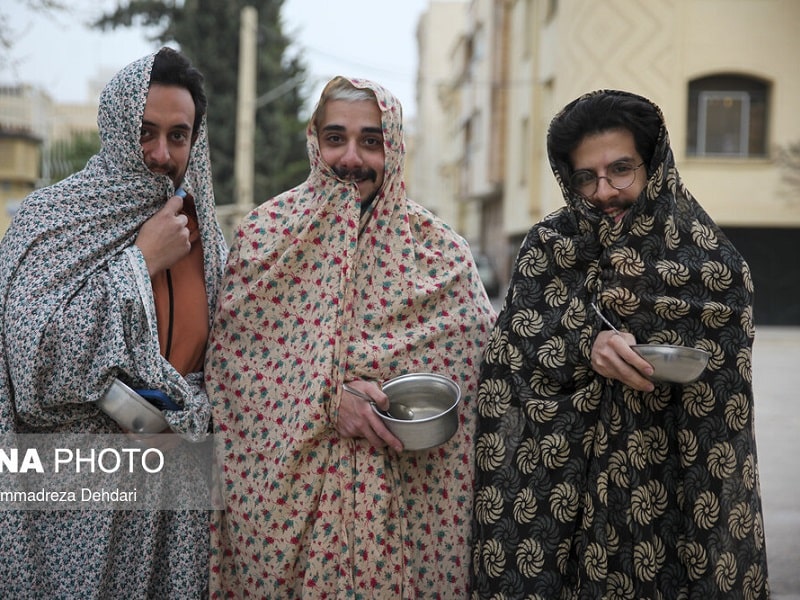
[[246, 112], [246, 106]]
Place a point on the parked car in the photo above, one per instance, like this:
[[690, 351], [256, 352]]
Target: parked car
[[488, 274]]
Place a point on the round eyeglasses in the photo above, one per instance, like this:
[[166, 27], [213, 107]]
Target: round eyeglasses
[[619, 175]]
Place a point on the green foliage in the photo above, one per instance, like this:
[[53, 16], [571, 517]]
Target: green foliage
[[70, 155], [207, 31]]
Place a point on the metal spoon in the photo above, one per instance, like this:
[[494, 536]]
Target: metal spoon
[[606, 321], [396, 410]]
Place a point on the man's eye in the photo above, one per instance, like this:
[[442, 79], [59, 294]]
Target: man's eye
[[620, 168], [580, 178]]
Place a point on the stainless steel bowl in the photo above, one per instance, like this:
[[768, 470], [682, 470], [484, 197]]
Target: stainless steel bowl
[[132, 412], [423, 409], [674, 364]]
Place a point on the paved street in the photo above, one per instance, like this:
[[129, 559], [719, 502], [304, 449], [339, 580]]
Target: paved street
[[776, 383]]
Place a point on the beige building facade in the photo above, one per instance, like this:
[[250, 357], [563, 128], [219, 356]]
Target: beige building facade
[[433, 171], [719, 69], [30, 123], [722, 71], [20, 157], [23, 111]]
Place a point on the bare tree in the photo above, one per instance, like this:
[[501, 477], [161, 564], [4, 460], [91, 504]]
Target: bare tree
[[8, 35]]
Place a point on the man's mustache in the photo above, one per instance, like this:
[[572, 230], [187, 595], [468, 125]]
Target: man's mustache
[[356, 175]]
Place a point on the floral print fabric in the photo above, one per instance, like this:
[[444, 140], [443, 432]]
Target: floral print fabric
[[587, 488], [77, 304], [76, 311], [315, 296]]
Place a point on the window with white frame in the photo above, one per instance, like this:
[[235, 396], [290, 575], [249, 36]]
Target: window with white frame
[[727, 117]]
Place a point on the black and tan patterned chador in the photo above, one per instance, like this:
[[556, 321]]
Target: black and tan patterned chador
[[588, 488]]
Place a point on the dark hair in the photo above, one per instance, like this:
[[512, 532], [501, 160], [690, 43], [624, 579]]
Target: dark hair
[[600, 112], [170, 67]]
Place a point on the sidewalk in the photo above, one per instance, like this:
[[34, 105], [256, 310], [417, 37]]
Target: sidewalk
[[776, 385]]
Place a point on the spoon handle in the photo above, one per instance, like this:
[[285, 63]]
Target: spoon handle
[[360, 394], [606, 321], [356, 392]]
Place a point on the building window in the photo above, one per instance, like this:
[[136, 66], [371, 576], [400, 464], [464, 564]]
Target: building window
[[727, 116]]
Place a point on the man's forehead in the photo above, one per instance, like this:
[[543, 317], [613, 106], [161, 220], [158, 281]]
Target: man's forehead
[[342, 128], [361, 114], [171, 106]]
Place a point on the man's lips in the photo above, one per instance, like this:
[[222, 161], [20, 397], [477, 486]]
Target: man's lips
[[160, 170], [617, 213]]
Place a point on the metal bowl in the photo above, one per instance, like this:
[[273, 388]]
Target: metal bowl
[[674, 364], [423, 409], [131, 411]]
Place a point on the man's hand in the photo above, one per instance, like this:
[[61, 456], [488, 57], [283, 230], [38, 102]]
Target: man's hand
[[164, 237], [613, 357], [358, 420]]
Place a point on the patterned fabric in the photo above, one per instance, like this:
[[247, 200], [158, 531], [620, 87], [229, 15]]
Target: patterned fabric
[[587, 488], [76, 310], [313, 298]]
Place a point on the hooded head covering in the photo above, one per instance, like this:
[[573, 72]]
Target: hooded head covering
[[315, 295], [76, 305], [605, 490], [76, 310]]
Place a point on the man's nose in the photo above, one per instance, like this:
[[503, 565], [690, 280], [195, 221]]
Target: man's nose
[[159, 151], [605, 191], [351, 158]]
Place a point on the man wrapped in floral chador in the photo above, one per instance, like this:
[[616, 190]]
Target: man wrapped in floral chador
[[343, 279]]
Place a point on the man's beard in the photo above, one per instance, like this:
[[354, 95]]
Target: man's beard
[[161, 170], [356, 175]]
